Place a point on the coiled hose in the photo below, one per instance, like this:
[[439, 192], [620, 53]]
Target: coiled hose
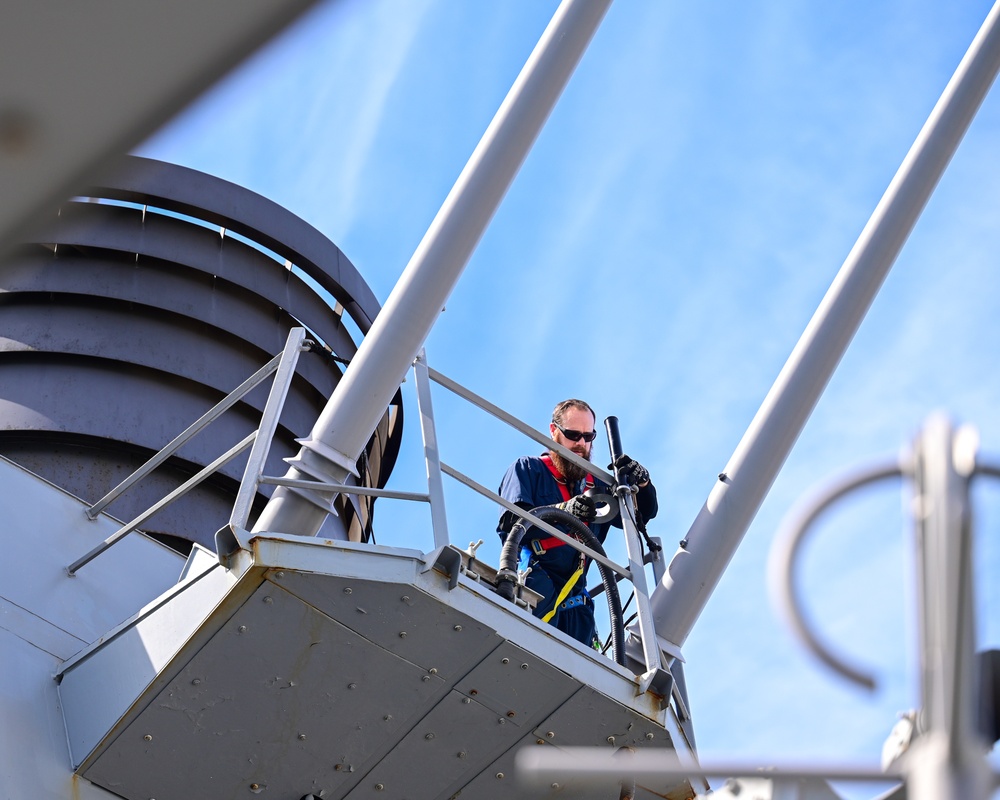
[[507, 574]]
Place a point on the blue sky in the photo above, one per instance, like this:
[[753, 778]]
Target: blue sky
[[679, 219]]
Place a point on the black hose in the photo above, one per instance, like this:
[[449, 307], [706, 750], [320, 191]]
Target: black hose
[[507, 574]]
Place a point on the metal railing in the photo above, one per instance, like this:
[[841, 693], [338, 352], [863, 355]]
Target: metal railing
[[284, 365], [259, 441]]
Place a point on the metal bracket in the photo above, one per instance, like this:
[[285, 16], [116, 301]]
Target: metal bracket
[[659, 681], [447, 560]]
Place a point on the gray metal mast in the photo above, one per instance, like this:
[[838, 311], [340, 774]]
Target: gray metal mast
[[722, 522], [374, 375]]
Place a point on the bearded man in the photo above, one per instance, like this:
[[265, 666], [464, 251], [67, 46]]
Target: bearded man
[[551, 479]]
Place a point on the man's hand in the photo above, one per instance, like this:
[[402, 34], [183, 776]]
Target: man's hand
[[631, 471], [581, 507]]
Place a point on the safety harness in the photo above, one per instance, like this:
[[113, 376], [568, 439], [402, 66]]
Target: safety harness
[[539, 546]]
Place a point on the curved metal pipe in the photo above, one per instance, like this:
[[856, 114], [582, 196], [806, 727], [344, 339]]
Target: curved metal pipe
[[784, 561]]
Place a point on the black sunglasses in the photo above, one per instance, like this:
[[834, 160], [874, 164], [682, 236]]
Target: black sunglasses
[[575, 436]]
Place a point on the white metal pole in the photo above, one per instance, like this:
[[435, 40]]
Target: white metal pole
[[722, 522], [400, 329]]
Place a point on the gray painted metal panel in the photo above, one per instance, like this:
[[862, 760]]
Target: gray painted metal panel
[[517, 685], [400, 618], [44, 529], [268, 667], [38, 632], [177, 249], [100, 684], [180, 351], [34, 762], [429, 762], [151, 318], [145, 181], [395, 565], [281, 697], [587, 719]]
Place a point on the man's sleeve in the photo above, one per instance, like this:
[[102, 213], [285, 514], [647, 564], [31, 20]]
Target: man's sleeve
[[516, 487], [646, 503]]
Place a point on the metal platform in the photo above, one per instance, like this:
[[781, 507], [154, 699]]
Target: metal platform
[[338, 670]]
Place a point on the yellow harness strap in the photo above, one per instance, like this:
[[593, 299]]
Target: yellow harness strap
[[563, 593]]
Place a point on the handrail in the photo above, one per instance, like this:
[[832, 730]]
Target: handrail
[[536, 522], [515, 423], [180, 491], [186, 435], [284, 364]]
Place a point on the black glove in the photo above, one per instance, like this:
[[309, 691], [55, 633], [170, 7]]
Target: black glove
[[581, 507], [630, 471]]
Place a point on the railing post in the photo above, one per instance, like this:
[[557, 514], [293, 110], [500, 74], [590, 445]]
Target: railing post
[[432, 456], [282, 381], [655, 676]]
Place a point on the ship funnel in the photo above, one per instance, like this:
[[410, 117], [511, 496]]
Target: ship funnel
[[137, 308]]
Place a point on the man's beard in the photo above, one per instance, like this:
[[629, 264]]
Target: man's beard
[[570, 471]]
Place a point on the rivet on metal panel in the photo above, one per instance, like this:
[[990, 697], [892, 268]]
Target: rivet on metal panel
[[462, 754], [405, 598], [425, 678], [555, 785], [649, 737], [268, 600], [501, 720], [433, 671], [348, 590], [499, 776], [551, 734], [466, 700], [402, 634], [257, 788], [352, 686], [196, 681], [379, 787], [241, 629], [338, 767], [611, 740], [511, 714], [279, 575], [387, 717], [504, 660], [524, 666], [457, 628], [148, 737], [302, 737], [428, 736], [473, 692], [539, 741]]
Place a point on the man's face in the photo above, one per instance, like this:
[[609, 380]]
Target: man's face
[[574, 419]]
